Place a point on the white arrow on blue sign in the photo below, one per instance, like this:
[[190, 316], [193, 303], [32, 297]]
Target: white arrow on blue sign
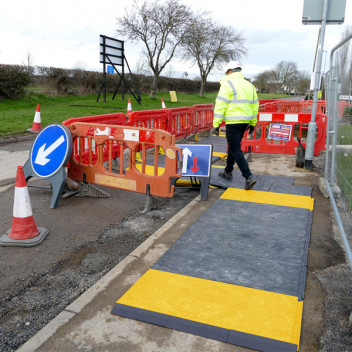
[[196, 159], [51, 150]]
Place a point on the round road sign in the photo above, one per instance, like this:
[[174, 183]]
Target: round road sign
[[51, 150]]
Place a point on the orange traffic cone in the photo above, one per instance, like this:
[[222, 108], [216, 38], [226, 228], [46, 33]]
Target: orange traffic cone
[[163, 106], [23, 232], [36, 127], [129, 107]]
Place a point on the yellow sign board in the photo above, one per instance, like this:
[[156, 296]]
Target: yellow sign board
[[173, 96]]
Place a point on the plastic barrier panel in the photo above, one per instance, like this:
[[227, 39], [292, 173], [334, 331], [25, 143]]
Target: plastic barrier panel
[[126, 176], [304, 106], [109, 119], [155, 119], [83, 144], [261, 143], [203, 115], [180, 122]]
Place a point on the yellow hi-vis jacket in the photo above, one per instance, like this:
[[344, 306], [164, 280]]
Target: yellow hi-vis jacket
[[237, 101]]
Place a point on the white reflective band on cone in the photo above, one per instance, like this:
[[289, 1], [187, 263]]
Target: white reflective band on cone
[[37, 117], [22, 205]]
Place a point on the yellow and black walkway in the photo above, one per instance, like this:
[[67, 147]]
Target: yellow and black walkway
[[237, 275]]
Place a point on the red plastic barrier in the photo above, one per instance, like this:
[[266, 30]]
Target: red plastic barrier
[[303, 106], [203, 115], [180, 122], [83, 143], [156, 119], [268, 106], [299, 122], [108, 119]]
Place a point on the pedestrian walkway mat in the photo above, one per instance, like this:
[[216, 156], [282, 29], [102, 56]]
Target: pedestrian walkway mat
[[236, 275], [266, 183]]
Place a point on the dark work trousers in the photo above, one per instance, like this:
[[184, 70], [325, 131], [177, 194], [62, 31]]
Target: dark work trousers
[[234, 135]]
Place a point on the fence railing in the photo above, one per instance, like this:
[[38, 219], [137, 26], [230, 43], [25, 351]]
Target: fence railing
[[338, 163]]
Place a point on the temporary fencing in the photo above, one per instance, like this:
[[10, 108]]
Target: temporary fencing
[[82, 144], [180, 122], [115, 139], [338, 162], [155, 119], [289, 106], [298, 124], [203, 115]]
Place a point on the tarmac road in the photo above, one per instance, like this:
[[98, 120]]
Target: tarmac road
[[90, 236], [77, 232]]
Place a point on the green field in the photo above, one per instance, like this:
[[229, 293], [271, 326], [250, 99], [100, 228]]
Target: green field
[[16, 116]]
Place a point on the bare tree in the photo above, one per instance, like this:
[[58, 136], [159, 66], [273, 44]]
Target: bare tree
[[262, 81], [28, 61], [210, 45], [161, 26], [284, 73], [142, 67], [301, 82]]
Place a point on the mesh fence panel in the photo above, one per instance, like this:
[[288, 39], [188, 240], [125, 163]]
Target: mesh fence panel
[[338, 168]]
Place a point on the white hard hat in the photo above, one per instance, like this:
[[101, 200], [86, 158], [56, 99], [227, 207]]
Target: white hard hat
[[233, 65]]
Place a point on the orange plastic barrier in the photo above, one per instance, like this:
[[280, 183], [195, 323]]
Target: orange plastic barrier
[[299, 122], [110, 119], [203, 115], [181, 122], [127, 177]]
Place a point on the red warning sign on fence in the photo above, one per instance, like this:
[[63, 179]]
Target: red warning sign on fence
[[280, 131]]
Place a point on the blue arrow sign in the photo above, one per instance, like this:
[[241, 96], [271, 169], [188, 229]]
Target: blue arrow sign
[[196, 159], [51, 150]]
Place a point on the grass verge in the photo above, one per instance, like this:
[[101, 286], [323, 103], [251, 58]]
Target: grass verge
[[16, 116]]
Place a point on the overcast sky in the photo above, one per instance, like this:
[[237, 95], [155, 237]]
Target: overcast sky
[[66, 33]]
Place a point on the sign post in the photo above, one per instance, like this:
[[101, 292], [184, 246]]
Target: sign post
[[48, 157], [196, 162], [319, 12]]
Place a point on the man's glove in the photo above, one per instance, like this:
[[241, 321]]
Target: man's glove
[[215, 131], [251, 129]]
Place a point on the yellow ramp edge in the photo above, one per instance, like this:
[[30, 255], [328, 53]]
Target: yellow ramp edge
[[263, 313], [286, 200], [220, 155]]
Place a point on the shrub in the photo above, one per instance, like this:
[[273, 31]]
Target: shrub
[[58, 79], [13, 80]]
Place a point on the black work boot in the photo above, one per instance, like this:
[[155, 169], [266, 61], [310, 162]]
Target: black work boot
[[250, 182], [225, 175]]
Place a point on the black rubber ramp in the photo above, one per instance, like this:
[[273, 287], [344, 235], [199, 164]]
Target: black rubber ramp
[[237, 275]]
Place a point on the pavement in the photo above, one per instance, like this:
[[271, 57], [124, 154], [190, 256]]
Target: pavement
[[87, 323]]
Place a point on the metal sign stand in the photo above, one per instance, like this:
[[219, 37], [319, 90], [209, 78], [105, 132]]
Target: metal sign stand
[[112, 53], [49, 155]]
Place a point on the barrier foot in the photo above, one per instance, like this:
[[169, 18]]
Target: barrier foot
[[89, 190], [151, 202]]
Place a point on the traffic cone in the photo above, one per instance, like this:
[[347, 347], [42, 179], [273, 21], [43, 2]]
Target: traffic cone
[[23, 232], [163, 106], [36, 127], [129, 107]]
